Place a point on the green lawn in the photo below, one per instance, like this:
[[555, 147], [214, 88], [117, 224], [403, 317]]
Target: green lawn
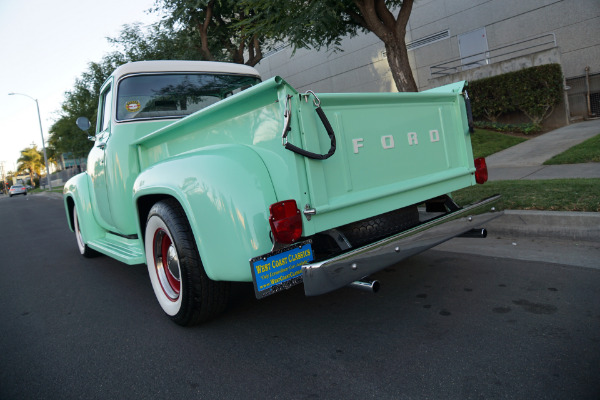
[[588, 151], [550, 195], [57, 189], [486, 142]]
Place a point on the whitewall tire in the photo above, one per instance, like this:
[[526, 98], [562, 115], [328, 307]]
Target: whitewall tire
[[183, 290], [84, 249]]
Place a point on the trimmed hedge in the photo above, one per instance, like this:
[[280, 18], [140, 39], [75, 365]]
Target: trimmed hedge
[[534, 91], [500, 127]]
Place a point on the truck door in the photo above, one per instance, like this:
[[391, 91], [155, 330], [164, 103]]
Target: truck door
[[97, 160]]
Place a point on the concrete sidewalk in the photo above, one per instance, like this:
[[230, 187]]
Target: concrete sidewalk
[[525, 160], [565, 171]]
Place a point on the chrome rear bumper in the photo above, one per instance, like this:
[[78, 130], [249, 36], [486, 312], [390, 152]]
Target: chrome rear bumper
[[337, 272]]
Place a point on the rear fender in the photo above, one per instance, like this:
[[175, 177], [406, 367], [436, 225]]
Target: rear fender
[[225, 192]]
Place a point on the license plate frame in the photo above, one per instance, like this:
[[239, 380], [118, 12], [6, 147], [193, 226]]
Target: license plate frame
[[280, 269]]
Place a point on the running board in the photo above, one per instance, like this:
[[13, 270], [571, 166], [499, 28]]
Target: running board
[[128, 251]]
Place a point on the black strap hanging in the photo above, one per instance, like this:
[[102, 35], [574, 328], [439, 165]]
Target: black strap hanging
[[469, 112], [324, 121]]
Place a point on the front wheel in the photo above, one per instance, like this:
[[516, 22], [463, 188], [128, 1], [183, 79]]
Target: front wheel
[[184, 291]]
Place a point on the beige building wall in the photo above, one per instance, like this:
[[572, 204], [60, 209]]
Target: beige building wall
[[362, 65]]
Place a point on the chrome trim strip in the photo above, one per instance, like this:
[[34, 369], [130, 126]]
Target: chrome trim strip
[[326, 276]]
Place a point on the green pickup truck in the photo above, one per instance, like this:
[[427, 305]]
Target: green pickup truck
[[210, 175]]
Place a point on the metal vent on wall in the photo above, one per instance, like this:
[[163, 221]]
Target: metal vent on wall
[[436, 37], [275, 50]]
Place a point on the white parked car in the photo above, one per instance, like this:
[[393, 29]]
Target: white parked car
[[17, 189]]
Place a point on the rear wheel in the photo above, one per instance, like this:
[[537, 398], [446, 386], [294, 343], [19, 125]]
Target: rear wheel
[[184, 291], [84, 249]]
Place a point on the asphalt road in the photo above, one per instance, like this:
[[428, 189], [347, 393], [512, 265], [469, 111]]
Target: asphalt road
[[445, 325]]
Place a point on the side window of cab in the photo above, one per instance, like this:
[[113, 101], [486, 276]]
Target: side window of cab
[[105, 111]]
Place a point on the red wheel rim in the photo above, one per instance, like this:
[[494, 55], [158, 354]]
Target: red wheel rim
[[166, 264]]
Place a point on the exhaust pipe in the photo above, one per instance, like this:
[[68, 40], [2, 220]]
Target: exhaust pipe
[[478, 233], [367, 286]]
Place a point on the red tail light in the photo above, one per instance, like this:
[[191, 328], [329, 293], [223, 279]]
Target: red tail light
[[285, 221], [481, 172]]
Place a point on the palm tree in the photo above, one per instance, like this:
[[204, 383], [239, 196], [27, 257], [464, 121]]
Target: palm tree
[[31, 160]]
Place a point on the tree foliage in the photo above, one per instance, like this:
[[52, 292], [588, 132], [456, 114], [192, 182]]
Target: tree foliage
[[241, 31], [214, 26], [81, 101], [324, 23], [133, 43], [156, 42], [31, 162], [7, 183]]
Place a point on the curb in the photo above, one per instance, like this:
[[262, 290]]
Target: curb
[[583, 226], [50, 194]]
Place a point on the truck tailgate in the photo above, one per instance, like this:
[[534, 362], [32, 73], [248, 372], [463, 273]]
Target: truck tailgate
[[393, 150]]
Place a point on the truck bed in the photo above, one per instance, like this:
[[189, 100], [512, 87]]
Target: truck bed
[[393, 149]]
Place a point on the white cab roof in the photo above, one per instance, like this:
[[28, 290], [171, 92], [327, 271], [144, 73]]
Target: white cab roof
[[183, 66]]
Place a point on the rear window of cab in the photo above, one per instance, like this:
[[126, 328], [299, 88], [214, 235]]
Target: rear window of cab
[[175, 95]]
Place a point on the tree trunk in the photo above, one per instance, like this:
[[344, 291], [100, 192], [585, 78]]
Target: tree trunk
[[397, 57], [255, 52], [376, 17], [203, 30]]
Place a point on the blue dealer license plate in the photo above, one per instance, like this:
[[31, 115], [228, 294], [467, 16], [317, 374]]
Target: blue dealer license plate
[[280, 269]]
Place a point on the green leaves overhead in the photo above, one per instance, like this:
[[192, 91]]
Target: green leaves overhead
[[325, 23], [156, 42], [241, 31], [317, 23], [216, 25]]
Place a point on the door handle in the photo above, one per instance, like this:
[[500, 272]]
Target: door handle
[[101, 145]]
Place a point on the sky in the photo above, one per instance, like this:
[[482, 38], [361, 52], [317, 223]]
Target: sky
[[44, 47]]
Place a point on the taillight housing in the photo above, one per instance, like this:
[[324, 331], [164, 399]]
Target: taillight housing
[[481, 172], [286, 221]]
